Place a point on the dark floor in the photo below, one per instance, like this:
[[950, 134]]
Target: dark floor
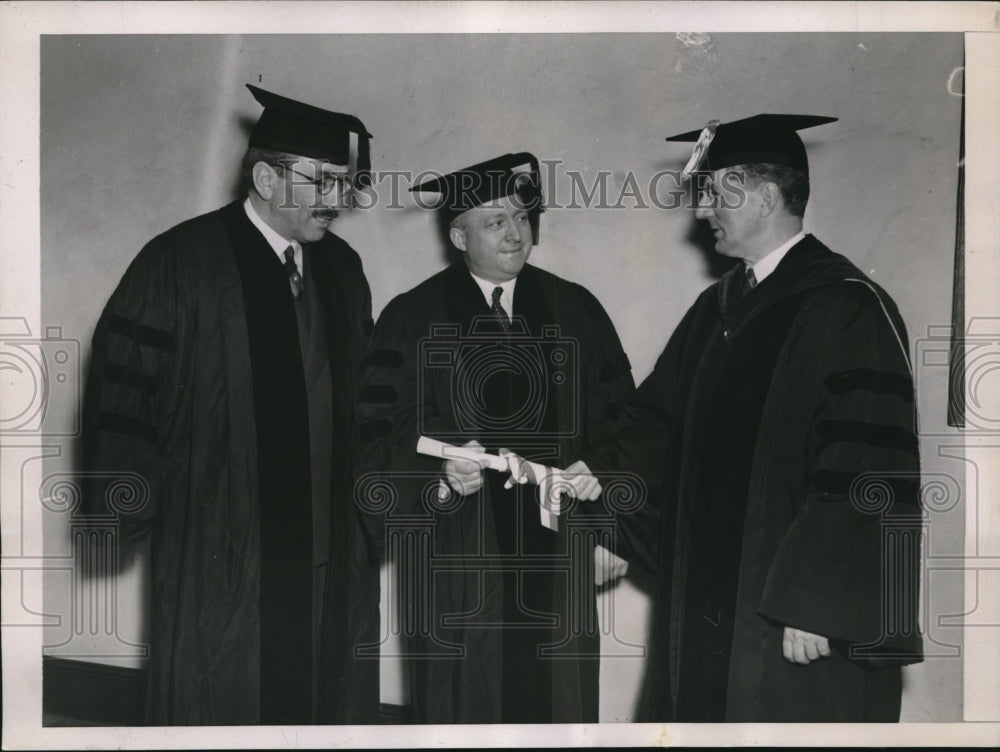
[[81, 693], [51, 720]]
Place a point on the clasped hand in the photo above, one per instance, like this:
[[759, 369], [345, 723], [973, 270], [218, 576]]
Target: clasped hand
[[465, 477], [799, 646]]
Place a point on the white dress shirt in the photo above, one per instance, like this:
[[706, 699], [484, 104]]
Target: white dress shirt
[[506, 298], [770, 262], [278, 243]]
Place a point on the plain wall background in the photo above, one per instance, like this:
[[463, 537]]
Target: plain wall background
[[141, 132]]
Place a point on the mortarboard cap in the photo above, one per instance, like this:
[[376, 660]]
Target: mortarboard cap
[[507, 175], [301, 129], [770, 139]]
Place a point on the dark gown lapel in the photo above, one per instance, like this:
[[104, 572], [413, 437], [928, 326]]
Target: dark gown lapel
[[464, 300], [531, 301], [807, 264], [282, 424], [339, 343], [332, 297]]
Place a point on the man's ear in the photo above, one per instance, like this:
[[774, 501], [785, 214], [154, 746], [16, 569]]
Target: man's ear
[[457, 235], [770, 199], [264, 179]]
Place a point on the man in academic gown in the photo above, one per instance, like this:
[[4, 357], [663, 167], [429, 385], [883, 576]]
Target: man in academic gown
[[222, 385], [491, 353], [779, 424]]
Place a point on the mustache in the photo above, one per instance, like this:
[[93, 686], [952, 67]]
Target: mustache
[[326, 213]]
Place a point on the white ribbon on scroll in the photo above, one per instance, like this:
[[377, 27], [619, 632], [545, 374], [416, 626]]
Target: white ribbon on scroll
[[549, 479]]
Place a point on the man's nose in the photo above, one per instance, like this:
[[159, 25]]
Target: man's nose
[[705, 208], [514, 233]]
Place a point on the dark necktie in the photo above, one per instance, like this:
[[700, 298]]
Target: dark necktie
[[294, 278], [498, 310], [751, 278]]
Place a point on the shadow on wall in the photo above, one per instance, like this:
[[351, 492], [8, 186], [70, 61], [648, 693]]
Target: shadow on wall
[[449, 253], [700, 236], [239, 187]]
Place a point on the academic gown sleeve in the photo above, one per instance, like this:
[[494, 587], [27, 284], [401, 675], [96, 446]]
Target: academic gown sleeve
[[128, 390], [639, 444], [391, 475], [848, 566], [608, 384]]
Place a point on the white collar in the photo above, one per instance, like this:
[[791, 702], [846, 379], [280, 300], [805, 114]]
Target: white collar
[[278, 243], [506, 298], [770, 262]]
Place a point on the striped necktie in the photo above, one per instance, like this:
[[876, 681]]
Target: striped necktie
[[294, 278], [498, 310]]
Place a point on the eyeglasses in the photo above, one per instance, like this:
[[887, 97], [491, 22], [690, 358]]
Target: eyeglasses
[[325, 184]]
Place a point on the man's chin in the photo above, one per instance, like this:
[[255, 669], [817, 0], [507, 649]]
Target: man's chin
[[514, 267], [517, 259], [312, 235], [318, 228], [723, 249]]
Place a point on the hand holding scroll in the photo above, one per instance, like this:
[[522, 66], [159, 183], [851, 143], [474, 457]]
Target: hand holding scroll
[[464, 475], [463, 470], [581, 482]]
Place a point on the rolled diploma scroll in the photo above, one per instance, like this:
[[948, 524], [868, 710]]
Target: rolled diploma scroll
[[546, 477]]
